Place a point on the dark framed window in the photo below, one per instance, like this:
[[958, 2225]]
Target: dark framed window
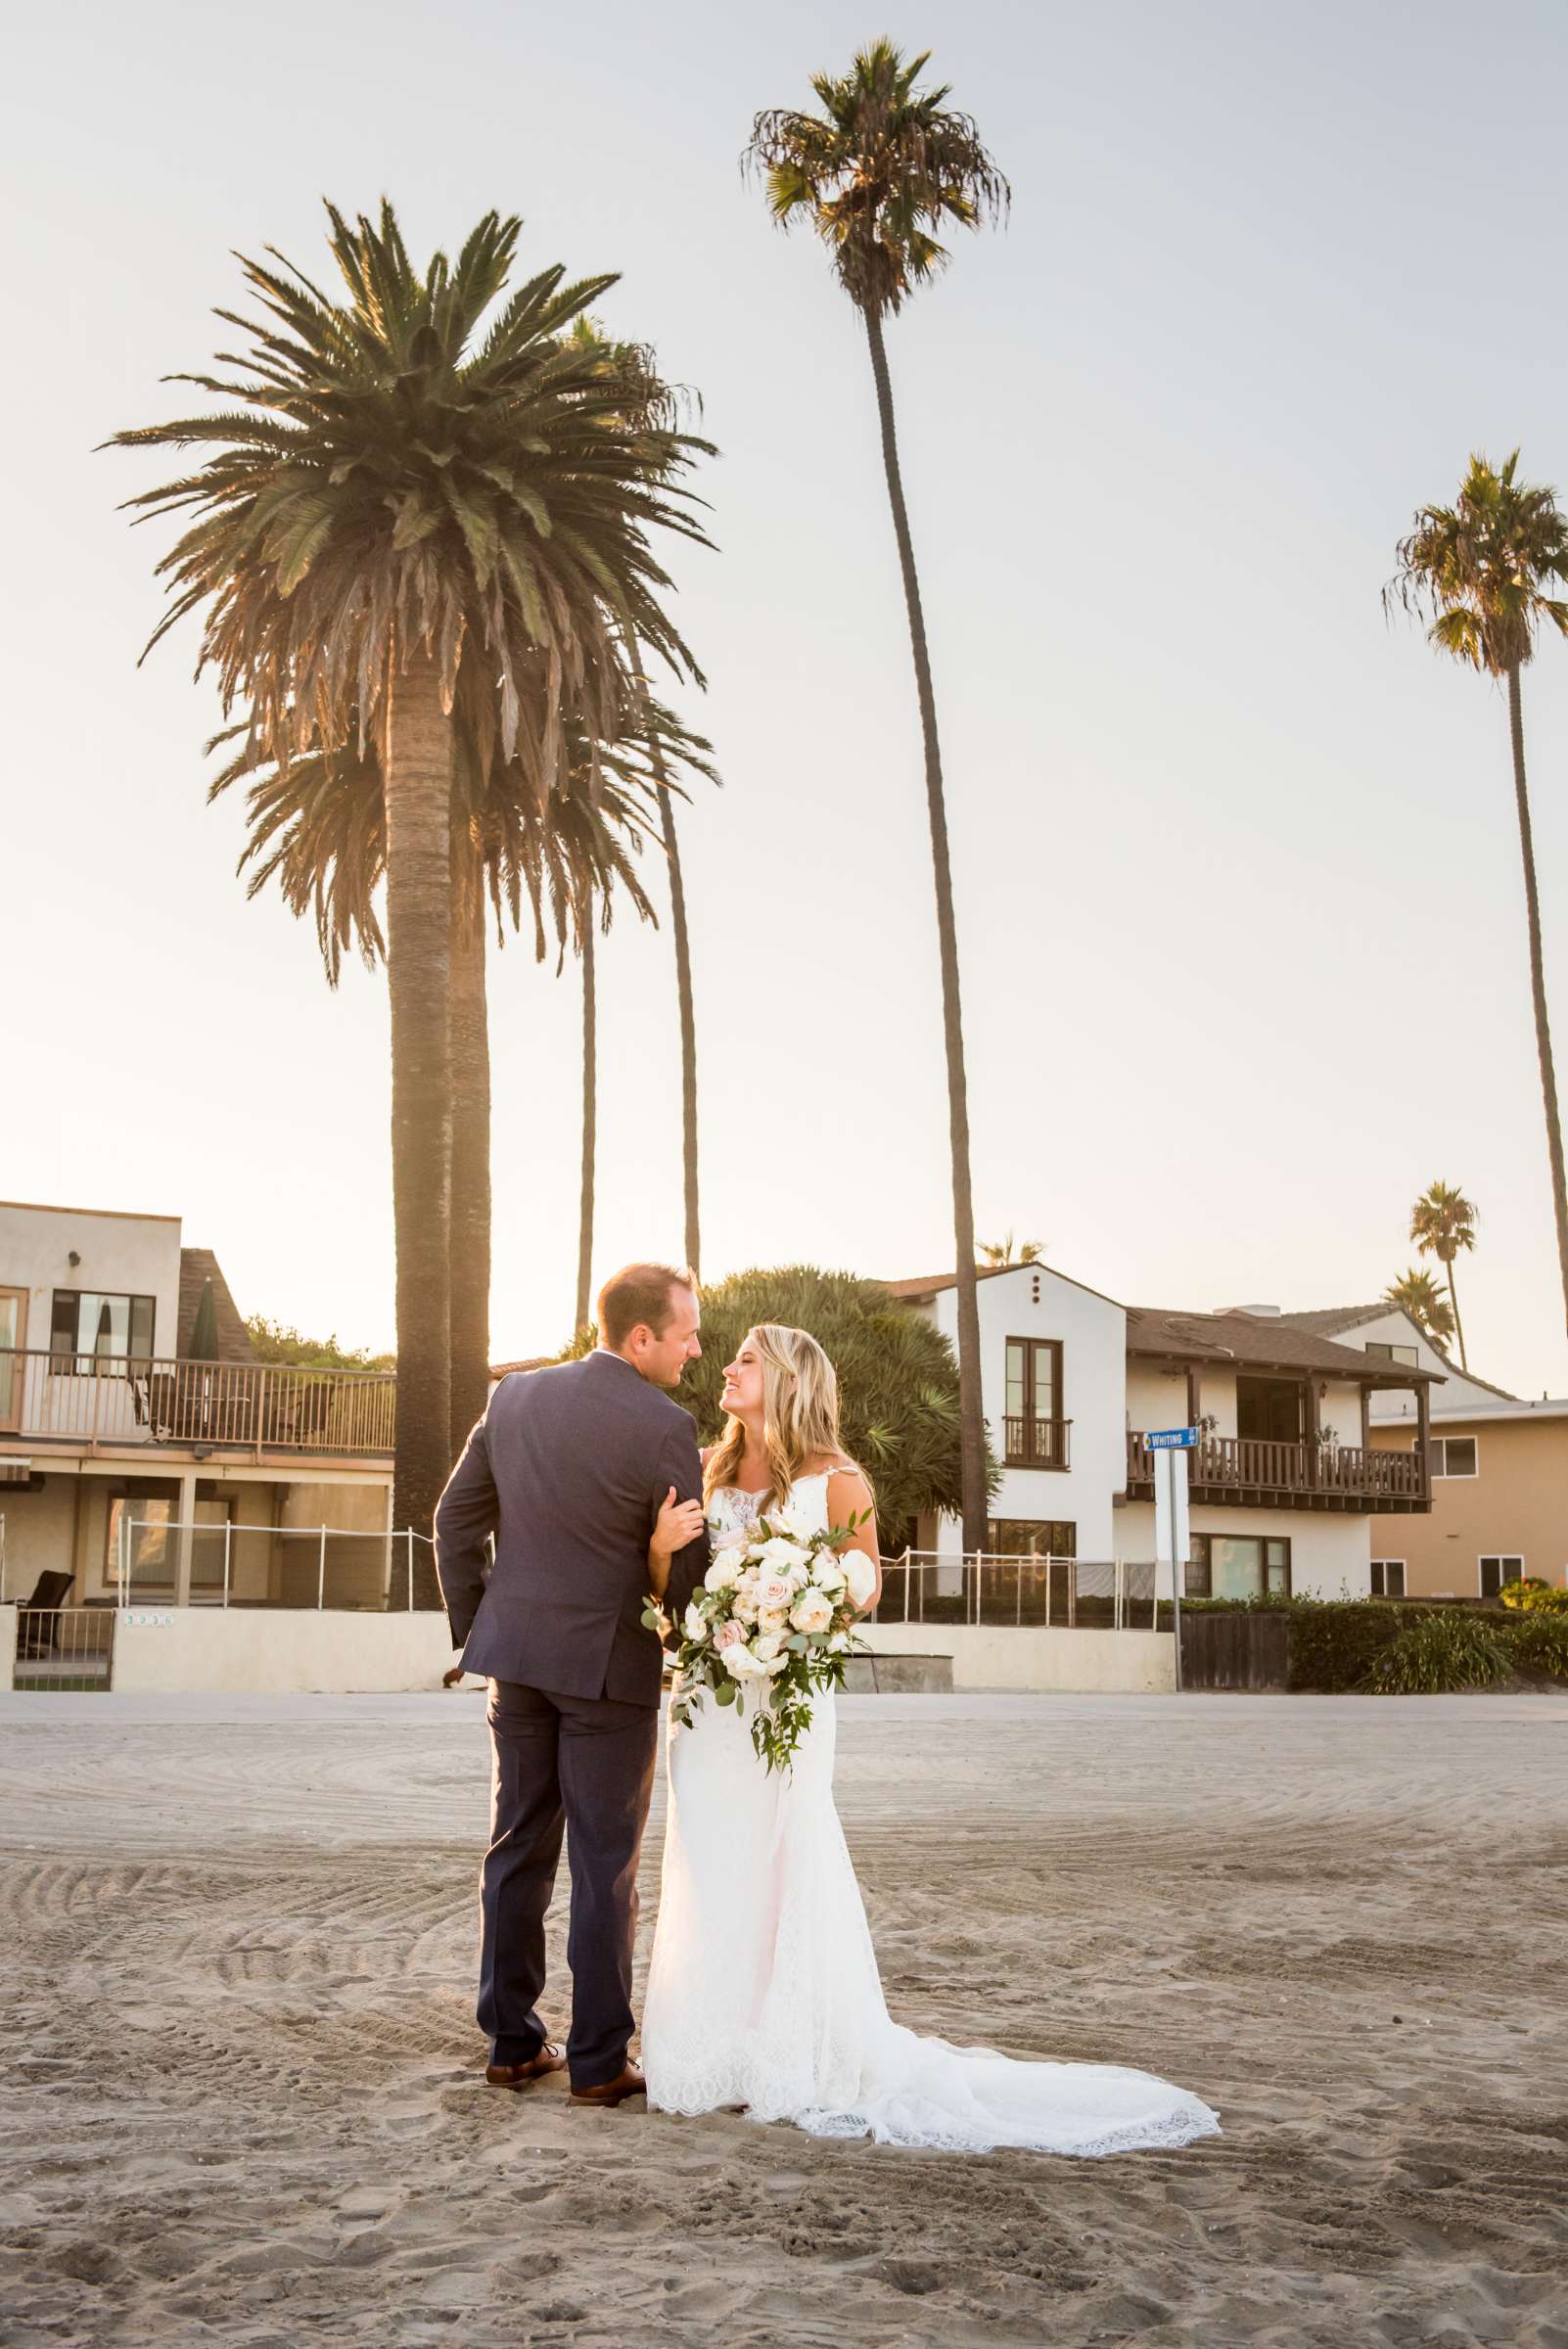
[[1238, 1566], [1393, 1353], [1495, 1571], [1454, 1456], [1388, 1577], [1032, 1537], [100, 1324], [1035, 1424], [1269, 1410]]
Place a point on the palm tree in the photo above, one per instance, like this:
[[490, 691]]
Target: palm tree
[[1418, 1294], [318, 827], [392, 499], [1479, 572], [1441, 1222], [882, 167], [1008, 1250]]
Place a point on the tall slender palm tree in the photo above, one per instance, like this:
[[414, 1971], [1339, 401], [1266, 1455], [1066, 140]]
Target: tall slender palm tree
[[876, 174], [1441, 1222], [1418, 1294], [1479, 572], [396, 495]]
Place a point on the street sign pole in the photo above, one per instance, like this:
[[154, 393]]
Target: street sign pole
[[1172, 1538]]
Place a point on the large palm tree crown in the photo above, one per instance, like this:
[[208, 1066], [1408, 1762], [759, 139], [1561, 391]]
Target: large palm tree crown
[[393, 475], [878, 173], [1418, 1295], [1478, 570]]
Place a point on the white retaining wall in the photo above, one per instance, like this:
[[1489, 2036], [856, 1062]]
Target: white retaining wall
[[1123, 1663], [278, 1651]]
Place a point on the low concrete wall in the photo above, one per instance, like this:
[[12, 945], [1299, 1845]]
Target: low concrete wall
[[277, 1651], [8, 1647], [1125, 1663]]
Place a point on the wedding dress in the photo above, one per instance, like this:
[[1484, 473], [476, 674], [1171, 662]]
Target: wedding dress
[[763, 1990]]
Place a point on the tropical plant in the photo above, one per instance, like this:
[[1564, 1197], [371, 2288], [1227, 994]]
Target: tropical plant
[[898, 1380], [395, 497], [318, 827], [1531, 1595], [281, 1342], [1418, 1294], [1441, 1222], [1438, 1651], [1538, 1642], [1007, 1251], [1479, 572], [876, 174]]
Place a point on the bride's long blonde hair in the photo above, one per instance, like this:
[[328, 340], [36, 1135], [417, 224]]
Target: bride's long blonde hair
[[799, 1414]]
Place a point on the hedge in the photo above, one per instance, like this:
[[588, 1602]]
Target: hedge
[[1343, 1646]]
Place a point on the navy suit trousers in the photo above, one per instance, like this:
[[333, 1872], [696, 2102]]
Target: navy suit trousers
[[584, 1767]]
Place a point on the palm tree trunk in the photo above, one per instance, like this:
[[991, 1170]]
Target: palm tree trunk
[[1454, 1306], [683, 991], [971, 1410], [470, 1302], [589, 1116], [419, 789], [1538, 985]]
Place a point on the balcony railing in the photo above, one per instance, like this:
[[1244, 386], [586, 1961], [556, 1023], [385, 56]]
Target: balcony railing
[[1032, 1442], [1256, 1464], [91, 1401]]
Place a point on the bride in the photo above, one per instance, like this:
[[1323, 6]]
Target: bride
[[764, 1991]]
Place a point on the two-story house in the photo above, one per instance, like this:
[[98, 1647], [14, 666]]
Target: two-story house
[[1284, 1483], [143, 1447], [1498, 1463]]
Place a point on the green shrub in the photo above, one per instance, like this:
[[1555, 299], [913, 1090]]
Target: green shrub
[[1538, 1642], [1335, 1643], [1439, 1651], [1535, 1598]]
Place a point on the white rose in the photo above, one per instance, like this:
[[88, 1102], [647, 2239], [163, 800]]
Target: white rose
[[767, 1646], [775, 1665], [740, 1663], [796, 1518], [786, 1558], [774, 1592], [693, 1624], [861, 1575], [828, 1574], [813, 1611], [745, 1606], [721, 1574]]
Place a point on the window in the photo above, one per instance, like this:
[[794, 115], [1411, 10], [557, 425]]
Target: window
[[1393, 1353], [1454, 1456], [1495, 1571], [1032, 1537], [87, 1323], [1268, 1409], [1034, 1430], [1388, 1577], [1237, 1566], [142, 1535]]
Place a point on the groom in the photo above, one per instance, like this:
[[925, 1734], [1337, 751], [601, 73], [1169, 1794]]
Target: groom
[[567, 1469]]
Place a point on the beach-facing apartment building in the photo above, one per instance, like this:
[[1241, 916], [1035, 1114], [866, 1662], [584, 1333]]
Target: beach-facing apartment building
[[1287, 1482], [1498, 1468], [139, 1436]]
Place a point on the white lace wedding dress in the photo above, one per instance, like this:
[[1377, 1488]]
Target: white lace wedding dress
[[763, 1990]]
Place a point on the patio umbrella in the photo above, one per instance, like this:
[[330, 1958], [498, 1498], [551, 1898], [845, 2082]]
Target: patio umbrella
[[203, 1345]]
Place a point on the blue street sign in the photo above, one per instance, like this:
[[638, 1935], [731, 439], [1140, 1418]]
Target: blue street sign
[[1171, 1439]]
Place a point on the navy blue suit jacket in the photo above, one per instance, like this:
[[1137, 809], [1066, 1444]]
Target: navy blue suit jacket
[[567, 1469]]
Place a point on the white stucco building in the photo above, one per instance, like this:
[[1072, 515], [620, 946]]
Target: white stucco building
[[1285, 1484]]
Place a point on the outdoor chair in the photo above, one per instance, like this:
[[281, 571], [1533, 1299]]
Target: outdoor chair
[[35, 1633]]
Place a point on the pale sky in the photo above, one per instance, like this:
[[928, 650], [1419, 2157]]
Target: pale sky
[[1239, 881]]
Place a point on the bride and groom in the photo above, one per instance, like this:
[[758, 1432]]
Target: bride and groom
[[764, 1991]]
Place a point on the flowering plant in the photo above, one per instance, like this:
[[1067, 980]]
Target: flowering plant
[[773, 1622]]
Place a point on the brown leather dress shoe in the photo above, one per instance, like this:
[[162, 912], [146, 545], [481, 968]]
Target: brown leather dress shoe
[[524, 2075], [626, 2082]]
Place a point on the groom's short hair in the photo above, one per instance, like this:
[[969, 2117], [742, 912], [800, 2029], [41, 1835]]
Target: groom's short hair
[[639, 1293]]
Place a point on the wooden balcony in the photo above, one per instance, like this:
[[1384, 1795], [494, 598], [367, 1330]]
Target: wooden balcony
[[1251, 1471], [1032, 1442], [96, 1402]]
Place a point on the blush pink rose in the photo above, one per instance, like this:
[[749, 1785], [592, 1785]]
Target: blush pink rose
[[728, 1634]]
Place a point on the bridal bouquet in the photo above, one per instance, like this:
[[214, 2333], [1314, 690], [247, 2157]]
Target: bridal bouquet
[[773, 1622]]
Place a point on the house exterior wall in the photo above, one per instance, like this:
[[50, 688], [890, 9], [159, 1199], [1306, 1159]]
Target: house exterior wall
[[121, 1254], [1395, 1328], [1030, 1300], [1155, 1398], [1516, 1504], [1330, 1555]]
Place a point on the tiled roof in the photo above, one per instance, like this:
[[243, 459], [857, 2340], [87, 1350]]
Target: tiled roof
[[198, 1265], [1336, 1318], [1256, 1342], [534, 1361]]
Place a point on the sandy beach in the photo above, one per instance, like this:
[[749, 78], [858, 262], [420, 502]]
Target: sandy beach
[[244, 2105]]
